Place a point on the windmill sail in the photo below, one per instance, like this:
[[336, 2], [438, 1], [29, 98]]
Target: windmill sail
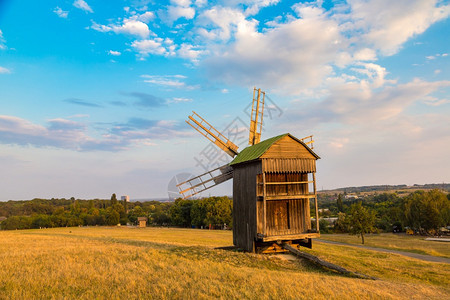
[[205, 181], [212, 134], [257, 117]]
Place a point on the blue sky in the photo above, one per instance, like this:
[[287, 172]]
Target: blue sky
[[94, 94]]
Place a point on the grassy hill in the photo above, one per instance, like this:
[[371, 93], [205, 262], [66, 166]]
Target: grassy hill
[[130, 263]]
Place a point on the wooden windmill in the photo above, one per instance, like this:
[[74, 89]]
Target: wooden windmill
[[270, 184]]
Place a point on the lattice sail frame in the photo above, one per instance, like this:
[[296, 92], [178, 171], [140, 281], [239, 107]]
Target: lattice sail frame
[[257, 115]]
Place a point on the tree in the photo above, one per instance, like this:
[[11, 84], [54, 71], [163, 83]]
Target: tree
[[323, 225], [427, 210], [198, 212], [161, 214], [340, 205], [180, 212], [112, 217], [113, 199], [135, 213], [219, 211], [360, 220], [341, 223]]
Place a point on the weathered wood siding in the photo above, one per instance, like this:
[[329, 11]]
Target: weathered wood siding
[[285, 189], [244, 204], [289, 165], [287, 147], [284, 217]]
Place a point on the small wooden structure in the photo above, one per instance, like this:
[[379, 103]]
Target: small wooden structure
[[271, 193], [271, 181], [142, 222]]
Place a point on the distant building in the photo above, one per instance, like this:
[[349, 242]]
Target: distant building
[[125, 198], [142, 221]]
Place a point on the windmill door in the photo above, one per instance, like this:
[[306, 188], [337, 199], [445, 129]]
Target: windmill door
[[278, 217]]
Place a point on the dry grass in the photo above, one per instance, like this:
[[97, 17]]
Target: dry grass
[[401, 242], [124, 263]]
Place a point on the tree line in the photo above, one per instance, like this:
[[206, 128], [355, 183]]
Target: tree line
[[47, 213], [421, 211]]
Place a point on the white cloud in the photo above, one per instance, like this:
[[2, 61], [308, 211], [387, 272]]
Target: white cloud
[[129, 26], [358, 103], [252, 7], [61, 13], [189, 52], [297, 53], [255, 5], [146, 47], [224, 22], [183, 3], [81, 4], [59, 133], [365, 54], [387, 24], [4, 70], [146, 17], [167, 81], [176, 12], [375, 73], [201, 3], [114, 53], [180, 100], [433, 101], [67, 134], [291, 57]]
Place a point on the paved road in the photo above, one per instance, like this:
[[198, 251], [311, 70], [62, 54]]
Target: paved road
[[410, 254]]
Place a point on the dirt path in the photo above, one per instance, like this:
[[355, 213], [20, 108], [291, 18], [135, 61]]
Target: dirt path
[[409, 254]]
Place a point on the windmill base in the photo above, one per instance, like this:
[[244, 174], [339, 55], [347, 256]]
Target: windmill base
[[277, 247]]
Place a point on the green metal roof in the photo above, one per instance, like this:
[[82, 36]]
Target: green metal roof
[[255, 151]]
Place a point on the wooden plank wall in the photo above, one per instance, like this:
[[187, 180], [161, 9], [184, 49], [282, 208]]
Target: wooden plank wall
[[244, 204], [292, 165], [285, 216], [286, 189]]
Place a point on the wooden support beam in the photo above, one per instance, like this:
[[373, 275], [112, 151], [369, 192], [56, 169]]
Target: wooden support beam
[[286, 197], [295, 182], [324, 263], [315, 203], [286, 237], [264, 205]]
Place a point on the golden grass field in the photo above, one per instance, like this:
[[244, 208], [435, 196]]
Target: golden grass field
[[161, 263]]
